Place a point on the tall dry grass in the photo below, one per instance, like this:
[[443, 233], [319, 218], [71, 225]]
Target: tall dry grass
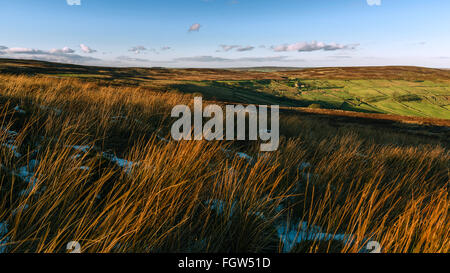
[[93, 164]]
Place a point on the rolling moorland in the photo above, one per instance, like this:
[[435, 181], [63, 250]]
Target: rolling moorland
[[406, 91], [86, 156]]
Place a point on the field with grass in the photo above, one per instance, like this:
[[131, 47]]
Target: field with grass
[[86, 155], [405, 91]]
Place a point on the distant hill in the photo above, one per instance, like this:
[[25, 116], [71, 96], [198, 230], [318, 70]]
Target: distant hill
[[16, 66], [398, 90]]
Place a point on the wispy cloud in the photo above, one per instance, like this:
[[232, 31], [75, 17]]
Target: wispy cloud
[[87, 49], [202, 59], [226, 48], [164, 48], [73, 2], [374, 2], [210, 59], [138, 49], [341, 57], [266, 59], [418, 44], [195, 27], [131, 59], [312, 46], [246, 48]]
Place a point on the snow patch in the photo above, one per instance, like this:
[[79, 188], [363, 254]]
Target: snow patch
[[10, 139], [304, 165], [238, 154], [3, 239], [123, 163], [20, 209], [13, 149], [162, 138], [219, 206], [17, 109], [75, 156], [56, 110], [83, 148], [290, 235], [26, 173], [244, 156], [310, 176]]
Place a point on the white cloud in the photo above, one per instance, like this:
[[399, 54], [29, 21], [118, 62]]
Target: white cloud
[[195, 27], [64, 55], [66, 50], [23, 50], [138, 49], [312, 46], [143, 49], [73, 2], [87, 49], [374, 2]]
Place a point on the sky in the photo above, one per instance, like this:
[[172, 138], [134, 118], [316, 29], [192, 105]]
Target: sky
[[228, 33]]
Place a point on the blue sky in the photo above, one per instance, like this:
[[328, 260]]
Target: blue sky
[[228, 33]]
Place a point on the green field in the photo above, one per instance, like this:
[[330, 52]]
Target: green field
[[400, 97]]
